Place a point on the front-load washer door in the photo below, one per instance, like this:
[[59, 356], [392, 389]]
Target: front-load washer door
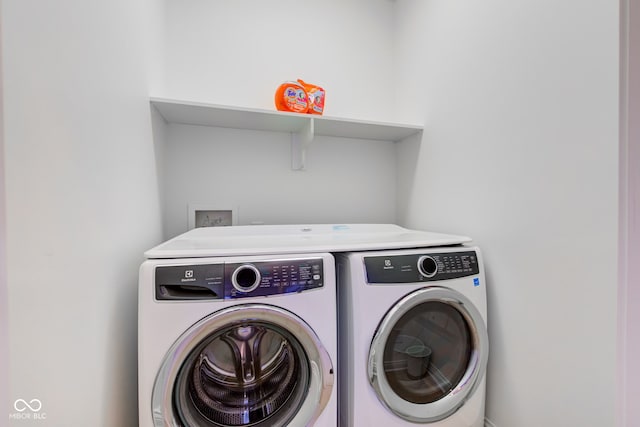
[[428, 354], [248, 365]]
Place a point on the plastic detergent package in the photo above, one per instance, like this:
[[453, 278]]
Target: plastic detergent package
[[316, 96], [291, 96]]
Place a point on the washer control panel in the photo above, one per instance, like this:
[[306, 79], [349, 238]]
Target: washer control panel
[[421, 267], [272, 277], [238, 280]]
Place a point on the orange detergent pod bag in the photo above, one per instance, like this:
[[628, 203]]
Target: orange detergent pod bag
[[316, 97], [291, 96]]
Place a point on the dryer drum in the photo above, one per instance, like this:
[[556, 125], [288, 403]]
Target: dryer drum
[[436, 336], [428, 355], [243, 375]]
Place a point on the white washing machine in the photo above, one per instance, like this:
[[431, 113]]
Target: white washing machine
[[413, 343], [238, 341]]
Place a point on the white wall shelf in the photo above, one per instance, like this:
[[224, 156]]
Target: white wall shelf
[[303, 127]]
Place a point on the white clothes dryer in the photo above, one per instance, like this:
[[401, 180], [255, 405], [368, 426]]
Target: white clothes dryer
[[237, 341], [413, 342]]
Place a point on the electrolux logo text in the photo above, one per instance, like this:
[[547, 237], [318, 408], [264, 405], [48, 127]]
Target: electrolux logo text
[[28, 410], [188, 276]]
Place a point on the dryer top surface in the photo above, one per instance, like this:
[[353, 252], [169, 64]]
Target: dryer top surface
[[287, 239]]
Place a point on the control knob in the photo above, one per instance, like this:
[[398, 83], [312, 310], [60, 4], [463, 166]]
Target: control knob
[[246, 278], [427, 266]]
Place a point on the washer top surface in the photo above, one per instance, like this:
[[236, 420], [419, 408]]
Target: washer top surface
[[286, 239]]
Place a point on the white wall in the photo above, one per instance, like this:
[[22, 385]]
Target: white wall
[[237, 52], [520, 152], [82, 204], [346, 180]]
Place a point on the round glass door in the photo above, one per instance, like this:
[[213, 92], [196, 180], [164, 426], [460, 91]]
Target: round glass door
[[244, 366], [428, 354]]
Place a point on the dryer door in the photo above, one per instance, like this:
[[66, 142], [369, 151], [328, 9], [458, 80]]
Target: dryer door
[[248, 365], [428, 355]]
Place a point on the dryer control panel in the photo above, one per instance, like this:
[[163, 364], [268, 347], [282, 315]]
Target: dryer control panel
[[420, 267], [238, 280]]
